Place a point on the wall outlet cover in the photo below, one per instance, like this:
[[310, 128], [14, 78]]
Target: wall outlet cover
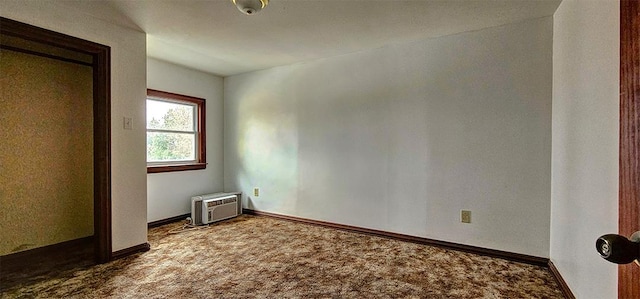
[[465, 216]]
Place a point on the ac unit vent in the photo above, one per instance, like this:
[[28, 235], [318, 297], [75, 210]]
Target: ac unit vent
[[210, 208]]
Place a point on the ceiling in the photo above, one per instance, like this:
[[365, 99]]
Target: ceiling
[[213, 36]]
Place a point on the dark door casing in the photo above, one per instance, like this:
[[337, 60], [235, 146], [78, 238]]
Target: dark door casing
[[629, 200]]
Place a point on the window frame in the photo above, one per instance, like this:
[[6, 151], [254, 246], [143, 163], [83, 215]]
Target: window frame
[[200, 162]]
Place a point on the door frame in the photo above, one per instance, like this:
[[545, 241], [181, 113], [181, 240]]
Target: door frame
[[629, 163], [101, 121]]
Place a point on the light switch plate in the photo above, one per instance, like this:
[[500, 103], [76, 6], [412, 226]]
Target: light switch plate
[[126, 123]]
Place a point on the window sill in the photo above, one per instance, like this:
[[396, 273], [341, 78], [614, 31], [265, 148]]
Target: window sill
[[176, 167]]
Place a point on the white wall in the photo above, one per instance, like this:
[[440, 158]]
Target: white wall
[[128, 82], [169, 193], [584, 188], [403, 137]]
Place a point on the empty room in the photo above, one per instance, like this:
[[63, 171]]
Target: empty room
[[320, 149]]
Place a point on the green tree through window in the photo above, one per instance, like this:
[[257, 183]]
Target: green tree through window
[[171, 146]]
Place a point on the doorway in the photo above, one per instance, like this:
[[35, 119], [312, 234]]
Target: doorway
[[45, 43]]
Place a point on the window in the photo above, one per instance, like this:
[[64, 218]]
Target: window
[[175, 132]]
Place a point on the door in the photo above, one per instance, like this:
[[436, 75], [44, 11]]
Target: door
[[629, 193]]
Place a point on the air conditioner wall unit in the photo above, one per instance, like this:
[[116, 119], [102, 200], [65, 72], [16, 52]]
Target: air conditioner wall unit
[[210, 208]]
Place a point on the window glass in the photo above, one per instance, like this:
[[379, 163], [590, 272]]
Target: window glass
[[170, 116], [163, 147]]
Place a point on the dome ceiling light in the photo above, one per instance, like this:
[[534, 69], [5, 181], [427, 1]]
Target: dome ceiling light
[[250, 7]]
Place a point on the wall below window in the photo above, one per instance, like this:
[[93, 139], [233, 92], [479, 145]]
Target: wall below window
[[403, 137], [584, 186], [169, 193]]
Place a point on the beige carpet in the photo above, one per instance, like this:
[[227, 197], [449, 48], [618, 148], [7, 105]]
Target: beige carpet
[[262, 257]]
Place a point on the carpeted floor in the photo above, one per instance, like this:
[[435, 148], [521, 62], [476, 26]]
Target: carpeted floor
[[262, 257]]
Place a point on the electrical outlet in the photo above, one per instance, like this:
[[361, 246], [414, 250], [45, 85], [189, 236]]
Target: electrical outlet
[[465, 216], [256, 192]]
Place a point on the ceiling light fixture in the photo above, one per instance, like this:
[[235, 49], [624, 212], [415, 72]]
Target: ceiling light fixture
[[250, 7]]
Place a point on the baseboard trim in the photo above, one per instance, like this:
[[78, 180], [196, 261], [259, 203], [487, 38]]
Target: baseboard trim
[[517, 257], [144, 247], [167, 221], [563, 284], [22, 257]]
